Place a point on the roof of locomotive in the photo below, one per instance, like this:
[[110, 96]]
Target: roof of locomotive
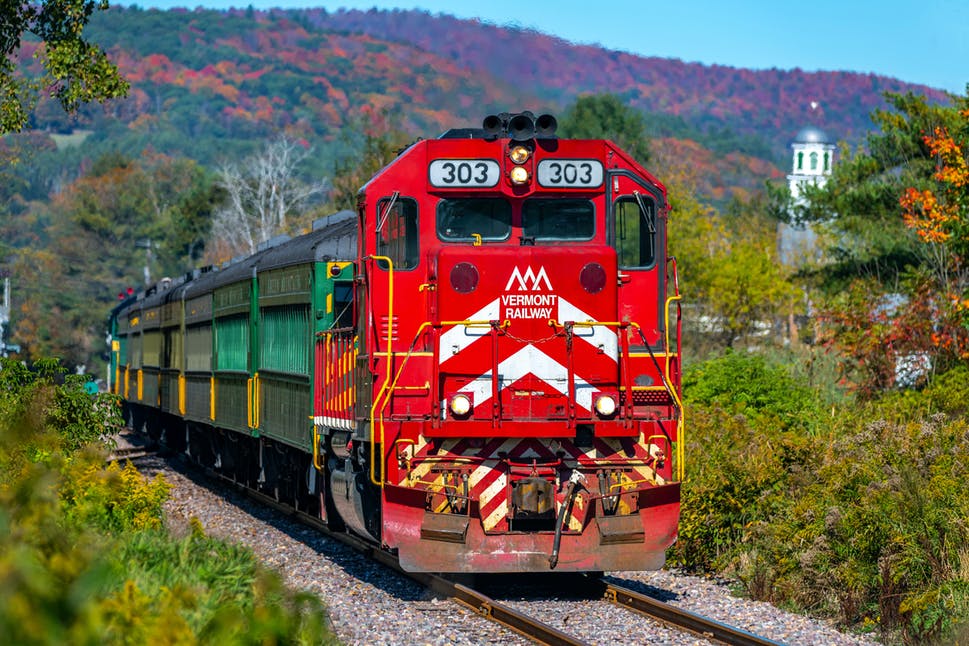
[[526, 127]]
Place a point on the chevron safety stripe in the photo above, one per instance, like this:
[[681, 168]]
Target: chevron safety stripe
[[488, 479]]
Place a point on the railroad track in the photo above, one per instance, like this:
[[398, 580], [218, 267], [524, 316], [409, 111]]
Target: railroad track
[[681, 619], [510, 618], [130, 453], [485, 606]]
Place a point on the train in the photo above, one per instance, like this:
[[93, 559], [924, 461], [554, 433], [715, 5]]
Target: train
[[478, 369]]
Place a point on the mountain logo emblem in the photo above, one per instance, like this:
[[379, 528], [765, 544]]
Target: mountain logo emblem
[[529, 281]]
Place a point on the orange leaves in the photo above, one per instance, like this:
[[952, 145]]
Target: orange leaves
[[922, 212], [936, 214], [952, 166]]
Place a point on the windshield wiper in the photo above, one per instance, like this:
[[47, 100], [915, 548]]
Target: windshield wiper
[[650, 225]]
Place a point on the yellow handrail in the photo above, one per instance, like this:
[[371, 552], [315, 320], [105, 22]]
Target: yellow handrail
[[316, 448], [256, 399], [249, 402], [667, 381], [390, 361], [212, 398], [680, 425]]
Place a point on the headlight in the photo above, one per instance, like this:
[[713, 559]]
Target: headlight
[[519, 154], [605, 405], [519, 175], [460, 405]]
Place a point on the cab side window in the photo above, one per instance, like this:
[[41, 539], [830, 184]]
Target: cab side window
[[635, 231], [397, 232]]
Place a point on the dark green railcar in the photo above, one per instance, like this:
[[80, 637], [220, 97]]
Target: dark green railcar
[[221, 362]]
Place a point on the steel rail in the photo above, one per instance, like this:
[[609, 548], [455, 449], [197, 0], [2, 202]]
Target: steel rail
[[682, 619], [130, 453], [482, 605], [488, 608]]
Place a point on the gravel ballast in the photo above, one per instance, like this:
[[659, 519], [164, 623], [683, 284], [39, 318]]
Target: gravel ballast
[[370, 604]]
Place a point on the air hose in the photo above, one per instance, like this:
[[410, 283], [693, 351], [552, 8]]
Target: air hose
[[575, 482]]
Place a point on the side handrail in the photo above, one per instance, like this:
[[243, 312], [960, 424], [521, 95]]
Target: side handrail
[[249, 402], [680, 425], [664, 371], [212, 391], [258, 395], [336, 352], [382, 393]]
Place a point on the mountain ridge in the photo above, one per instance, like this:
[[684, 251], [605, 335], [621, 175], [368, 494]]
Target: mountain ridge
[[213, 84]]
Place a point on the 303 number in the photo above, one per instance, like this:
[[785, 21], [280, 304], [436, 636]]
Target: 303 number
[[558, 172], [463, 172], [570, 173]]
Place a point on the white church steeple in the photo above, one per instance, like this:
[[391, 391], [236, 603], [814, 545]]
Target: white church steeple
[[811, 163], [812, 160]]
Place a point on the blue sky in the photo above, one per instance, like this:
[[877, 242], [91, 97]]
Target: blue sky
[[917, 41]]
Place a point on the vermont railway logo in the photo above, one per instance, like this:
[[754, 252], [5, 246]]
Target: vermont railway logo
[[529, 281]]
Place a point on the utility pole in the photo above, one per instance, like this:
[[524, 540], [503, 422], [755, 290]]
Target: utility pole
[[5, 312], [146, 245]]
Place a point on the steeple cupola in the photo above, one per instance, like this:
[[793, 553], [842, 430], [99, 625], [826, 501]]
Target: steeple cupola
[[812, 160]]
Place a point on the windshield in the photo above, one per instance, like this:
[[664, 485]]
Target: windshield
[[461, 219], [558, 219], [464, 219]]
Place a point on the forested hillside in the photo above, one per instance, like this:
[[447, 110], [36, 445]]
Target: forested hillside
[[95, 201], [771, 104], [242, 74]]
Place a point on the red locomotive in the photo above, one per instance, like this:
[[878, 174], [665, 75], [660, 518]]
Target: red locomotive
[[495, 377]]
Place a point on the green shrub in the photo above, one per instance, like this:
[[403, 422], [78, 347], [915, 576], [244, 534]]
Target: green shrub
[[859, 514], [748, 384], [39, 416], [113, 498], [84, 556]]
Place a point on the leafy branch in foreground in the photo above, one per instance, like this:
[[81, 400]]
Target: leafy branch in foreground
[[74, 70]]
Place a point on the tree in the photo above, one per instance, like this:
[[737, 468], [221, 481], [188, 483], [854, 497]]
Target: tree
[[96, 223], [939, 213], [74, 70], [374, 143], [898, 283], [264, 197], [605, 116], [859, 204], [730, 276], [730, 270]]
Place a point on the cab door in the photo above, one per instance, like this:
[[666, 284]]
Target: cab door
[[637, 233]]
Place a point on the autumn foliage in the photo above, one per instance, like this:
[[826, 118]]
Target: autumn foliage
[[939, 214]]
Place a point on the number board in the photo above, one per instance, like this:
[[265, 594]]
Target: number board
[[449, 173], [581, 173]]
